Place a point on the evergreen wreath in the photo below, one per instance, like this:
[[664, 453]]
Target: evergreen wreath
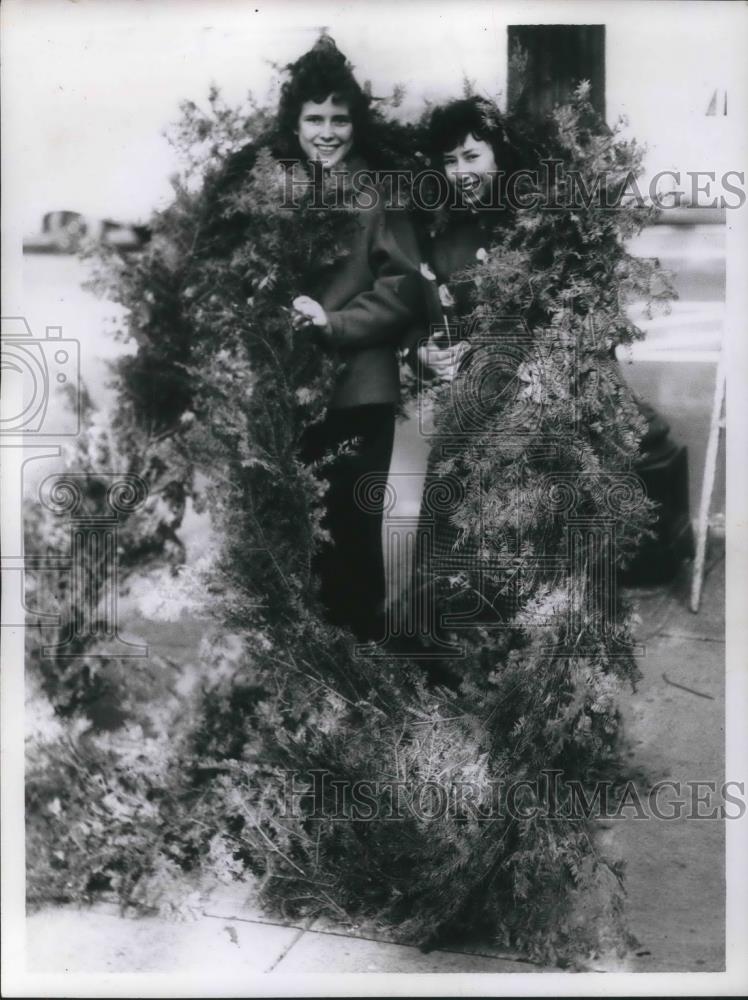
[[321, 771]]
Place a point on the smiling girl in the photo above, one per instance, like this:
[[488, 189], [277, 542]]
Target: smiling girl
[[468, 143], [362, 309]]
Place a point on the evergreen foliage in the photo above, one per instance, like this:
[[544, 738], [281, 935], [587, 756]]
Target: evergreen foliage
[[230, 780]]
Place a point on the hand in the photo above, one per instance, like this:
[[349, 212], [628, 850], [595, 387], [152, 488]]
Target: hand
[[307, 312], [444, 362]]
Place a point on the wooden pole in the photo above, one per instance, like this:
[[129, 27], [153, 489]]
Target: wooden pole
[[707, 484]]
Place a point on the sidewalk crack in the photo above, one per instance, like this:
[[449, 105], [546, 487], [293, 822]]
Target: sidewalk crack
[[297, 937]]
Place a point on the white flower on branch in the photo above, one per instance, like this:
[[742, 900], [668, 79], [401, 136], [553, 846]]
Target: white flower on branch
[[445, 297]]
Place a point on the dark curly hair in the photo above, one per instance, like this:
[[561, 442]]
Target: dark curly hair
[[447, 127], [450, 124], [321, 72]]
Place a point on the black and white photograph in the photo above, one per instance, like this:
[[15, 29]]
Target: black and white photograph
[[374, 498]]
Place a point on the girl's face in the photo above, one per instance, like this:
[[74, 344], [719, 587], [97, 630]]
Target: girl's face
[[325, 131], [470, 167]]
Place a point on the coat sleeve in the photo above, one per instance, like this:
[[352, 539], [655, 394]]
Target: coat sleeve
[[382, 314]]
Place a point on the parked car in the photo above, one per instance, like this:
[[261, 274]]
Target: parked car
[[66, 231]]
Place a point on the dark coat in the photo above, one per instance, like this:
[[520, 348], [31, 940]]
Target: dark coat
[[374, 299], [374, 296]]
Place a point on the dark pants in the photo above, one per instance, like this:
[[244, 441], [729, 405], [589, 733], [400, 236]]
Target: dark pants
[[354, 442]]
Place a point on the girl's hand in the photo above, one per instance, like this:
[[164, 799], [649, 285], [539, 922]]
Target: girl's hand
[[307, 312], [444, 363]]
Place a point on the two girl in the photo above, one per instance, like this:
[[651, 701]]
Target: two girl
[[375, 303]]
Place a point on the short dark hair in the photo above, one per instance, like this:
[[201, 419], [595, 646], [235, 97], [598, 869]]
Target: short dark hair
[[450, 124], [321, 72]]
